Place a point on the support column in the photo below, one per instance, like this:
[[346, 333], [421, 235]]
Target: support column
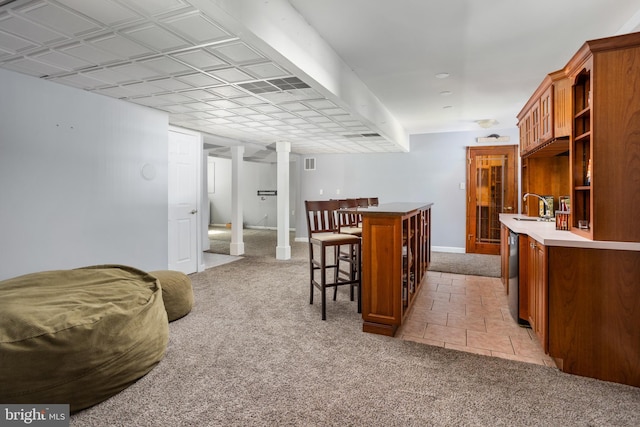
[[283, 250], [237, 160]]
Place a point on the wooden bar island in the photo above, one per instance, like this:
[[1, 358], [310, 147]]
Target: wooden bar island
[[396, 251]]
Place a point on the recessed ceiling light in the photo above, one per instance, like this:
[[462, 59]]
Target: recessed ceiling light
[[446, 93], [442, 75]]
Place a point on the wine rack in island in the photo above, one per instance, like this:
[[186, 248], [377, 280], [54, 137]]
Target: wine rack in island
[[396, 251]]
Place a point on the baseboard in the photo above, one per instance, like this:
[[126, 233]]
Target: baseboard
[[450, 249]]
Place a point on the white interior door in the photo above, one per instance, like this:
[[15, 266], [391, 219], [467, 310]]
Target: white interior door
[[184, 158]]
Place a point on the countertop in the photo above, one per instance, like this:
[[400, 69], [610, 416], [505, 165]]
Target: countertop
[[545, 232], [400, 208]]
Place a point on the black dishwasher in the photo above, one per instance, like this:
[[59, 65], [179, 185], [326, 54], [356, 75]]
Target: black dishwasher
[[514, 292]]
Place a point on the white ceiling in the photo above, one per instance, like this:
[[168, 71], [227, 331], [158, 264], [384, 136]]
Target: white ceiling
[[329, 76]]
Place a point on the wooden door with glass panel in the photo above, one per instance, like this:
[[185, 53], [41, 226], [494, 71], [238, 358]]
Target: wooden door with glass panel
[[492, 187]]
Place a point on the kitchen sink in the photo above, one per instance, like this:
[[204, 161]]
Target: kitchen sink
[[531, 218]]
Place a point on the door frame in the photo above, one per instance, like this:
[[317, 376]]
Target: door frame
[[510, 202]]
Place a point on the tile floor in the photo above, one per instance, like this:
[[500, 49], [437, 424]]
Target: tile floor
[[470, 313]]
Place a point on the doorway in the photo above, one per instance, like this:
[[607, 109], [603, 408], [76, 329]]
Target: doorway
[[492, 187]]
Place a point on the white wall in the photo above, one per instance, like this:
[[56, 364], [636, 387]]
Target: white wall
[[431, 172], [256, 176], [71, 189]]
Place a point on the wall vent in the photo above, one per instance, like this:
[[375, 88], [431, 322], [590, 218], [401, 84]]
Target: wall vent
[[310, 164]]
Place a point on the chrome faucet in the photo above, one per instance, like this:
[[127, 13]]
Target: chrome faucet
[[546, 204]]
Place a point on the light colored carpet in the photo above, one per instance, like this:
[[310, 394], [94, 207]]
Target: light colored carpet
[[253, 352]]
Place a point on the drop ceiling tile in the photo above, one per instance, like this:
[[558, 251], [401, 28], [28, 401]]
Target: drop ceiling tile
[[110, 75], [29, 30], [107, 12], [218, 121], [120, 46], [297, 121], [61, 19], [136, 71], [307, 126], [197, 106], [248, 100], [156, 38], [242, 111], [200, 58], [267, 108], [304, 94], [80, 81], [61, 60], [308, 113], [197, 28], [201, 115], [222, 113], [283, 115], [199, 95], [90, 53], [333, 112], [155, 7], [352, 123], [319, 119], [321, 104], [343, 117], [258, 117], [273, 123], [150, 101], [223, 103], [171, 84], [238, 119], [238, 53], [142, 88], [32, 68], [115, 92], [278, 97], [267, 70], [173, 98], [198, 80], [228, 92], [14, 44], [231, 75], [165, 65], [176, 108], [294, 106]]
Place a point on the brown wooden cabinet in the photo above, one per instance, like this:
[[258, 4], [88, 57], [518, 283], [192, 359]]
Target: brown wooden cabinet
[[396, 251], [605, 141], [545, 126], [538, 286], [545, 117]]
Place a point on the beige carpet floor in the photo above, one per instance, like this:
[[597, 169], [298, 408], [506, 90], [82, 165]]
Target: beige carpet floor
[[254, 352]]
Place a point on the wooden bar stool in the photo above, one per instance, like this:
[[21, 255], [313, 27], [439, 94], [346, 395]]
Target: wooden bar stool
[[322, 227]]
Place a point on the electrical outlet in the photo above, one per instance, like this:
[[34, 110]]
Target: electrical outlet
[[338, 191], [321, 191]]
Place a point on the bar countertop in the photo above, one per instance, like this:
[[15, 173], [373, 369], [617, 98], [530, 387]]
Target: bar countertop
[[398, 208]]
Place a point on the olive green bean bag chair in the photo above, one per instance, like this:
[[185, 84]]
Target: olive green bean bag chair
[[79, 336], [177, 292]]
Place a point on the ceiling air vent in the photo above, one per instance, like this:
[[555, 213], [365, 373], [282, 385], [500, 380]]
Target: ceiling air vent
[[289, 83], [274, 85], [310, 164], [362, 135]]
